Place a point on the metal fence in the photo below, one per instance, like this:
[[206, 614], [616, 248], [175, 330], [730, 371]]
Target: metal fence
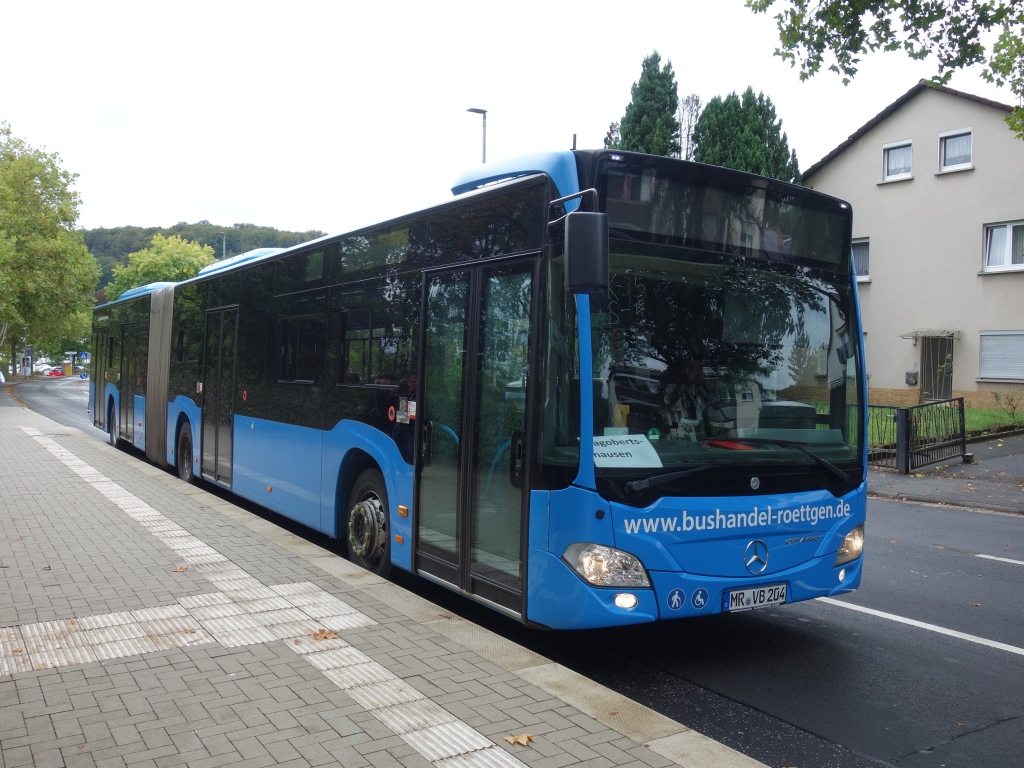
[[882, 435], [913, 437]]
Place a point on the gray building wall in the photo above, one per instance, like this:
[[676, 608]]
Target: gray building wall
[[927, 238]]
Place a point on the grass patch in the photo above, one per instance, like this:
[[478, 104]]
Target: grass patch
[[983, 421]]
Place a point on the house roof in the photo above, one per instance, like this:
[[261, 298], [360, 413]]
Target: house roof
[[920, 86]]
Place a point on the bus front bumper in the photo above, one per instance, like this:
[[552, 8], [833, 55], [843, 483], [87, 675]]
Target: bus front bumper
[[565, 601]]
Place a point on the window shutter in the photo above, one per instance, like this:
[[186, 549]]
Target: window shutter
[[1002, 356]]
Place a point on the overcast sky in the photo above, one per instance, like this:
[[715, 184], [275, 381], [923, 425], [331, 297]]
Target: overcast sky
[[330, 116]]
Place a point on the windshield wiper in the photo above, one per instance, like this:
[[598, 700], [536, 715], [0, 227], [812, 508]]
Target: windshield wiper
[[828, 466], [634, 486]]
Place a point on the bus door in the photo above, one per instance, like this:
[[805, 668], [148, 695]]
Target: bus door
[[471, 513], [218, 394], [98, 379], [126, 383]]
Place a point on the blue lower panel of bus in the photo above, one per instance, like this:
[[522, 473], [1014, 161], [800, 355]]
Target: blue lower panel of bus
[[182, 411], [111, 399], [278, 466], [139, 434], [295, 472]]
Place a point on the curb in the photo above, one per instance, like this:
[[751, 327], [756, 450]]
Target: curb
[[919, 498]]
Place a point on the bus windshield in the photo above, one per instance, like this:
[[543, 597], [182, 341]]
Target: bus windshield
[[687, 355], [716, 328]]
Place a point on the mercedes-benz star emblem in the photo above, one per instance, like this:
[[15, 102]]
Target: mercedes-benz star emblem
[[755, 556], [755, 483]]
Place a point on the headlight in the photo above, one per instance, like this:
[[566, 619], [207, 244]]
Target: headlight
[[852, 546], [606, 567]]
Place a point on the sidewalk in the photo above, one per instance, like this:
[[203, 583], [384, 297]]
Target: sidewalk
[[146, 622], [995, 481]]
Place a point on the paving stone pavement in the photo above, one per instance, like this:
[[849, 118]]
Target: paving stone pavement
[[146, 622]]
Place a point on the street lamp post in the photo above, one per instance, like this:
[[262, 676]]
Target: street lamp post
[[224, 244], [482, 112]]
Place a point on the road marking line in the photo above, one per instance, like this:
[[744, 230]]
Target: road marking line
[[923, 625], [436, 734], [1001, 559]]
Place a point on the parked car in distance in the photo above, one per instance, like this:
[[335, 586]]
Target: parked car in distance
[[55, 372]]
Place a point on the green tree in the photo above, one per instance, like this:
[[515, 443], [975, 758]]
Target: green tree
[[650, 124], [111, 246], [950, 29], [167, 258], [745, 134], [46, 273]]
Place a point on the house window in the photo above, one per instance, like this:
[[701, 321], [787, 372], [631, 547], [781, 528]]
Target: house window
[[1004, 246], [861, 255], [956, 150], [1002, 355], [897, 160]]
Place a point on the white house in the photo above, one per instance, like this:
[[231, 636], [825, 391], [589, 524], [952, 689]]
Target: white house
[[936, 181]]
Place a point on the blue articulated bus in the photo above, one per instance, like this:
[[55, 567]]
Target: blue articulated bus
[[595, 388]]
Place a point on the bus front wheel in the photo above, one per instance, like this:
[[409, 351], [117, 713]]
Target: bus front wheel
[[366, 529], [185, 458]]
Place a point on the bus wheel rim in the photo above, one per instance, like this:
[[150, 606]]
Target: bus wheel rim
[[366, 530]]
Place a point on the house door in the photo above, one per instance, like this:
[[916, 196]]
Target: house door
[[937, 368], [471, 480], [218, 394]]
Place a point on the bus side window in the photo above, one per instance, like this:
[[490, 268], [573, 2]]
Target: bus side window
[[356, 362], [299, 338]]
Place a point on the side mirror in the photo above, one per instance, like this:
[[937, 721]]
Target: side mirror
[[586, 252]]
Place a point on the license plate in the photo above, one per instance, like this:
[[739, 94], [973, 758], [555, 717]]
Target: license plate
[[755, 597]]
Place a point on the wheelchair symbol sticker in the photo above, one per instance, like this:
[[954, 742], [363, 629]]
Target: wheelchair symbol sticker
[[676, 599], [699, 599]]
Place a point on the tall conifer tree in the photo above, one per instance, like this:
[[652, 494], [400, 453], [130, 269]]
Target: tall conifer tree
[[650, 124], [745, 134]]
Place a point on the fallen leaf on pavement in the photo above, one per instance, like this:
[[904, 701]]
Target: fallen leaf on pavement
[[47, 568], [5, 566], [190, 631], [16, 650], [522, 739], [297, 641], [324, 634], [180, 568], [977, 605], [960, 724], [893, 541]]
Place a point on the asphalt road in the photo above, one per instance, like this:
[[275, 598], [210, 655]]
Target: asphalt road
[[816, 684]]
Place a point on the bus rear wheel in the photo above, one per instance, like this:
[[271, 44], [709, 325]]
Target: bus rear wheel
[[185, 458], [366, 529]]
